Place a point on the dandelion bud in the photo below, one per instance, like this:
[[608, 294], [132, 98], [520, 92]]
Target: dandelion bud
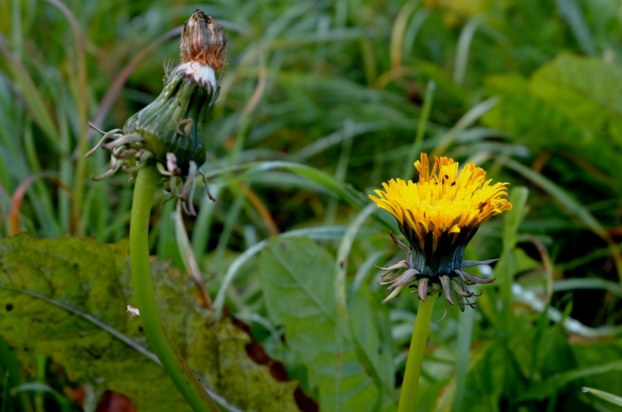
[[167, 132]]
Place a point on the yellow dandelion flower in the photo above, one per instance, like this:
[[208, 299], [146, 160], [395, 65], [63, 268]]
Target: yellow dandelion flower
[[439, 215]]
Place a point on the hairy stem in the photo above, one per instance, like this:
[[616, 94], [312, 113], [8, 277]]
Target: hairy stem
[[410, 387], [168, 354]]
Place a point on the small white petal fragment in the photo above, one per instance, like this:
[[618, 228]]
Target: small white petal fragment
[[203, 74], [132, 310], [171, 163]]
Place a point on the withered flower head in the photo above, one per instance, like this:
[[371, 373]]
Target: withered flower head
[[439, 215], [203, 41], [166, 133]]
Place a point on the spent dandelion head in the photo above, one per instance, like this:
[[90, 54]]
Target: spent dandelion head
[[439, 215], [166, 133]]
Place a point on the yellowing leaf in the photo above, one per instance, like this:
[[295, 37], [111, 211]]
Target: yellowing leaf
[[94, 279]]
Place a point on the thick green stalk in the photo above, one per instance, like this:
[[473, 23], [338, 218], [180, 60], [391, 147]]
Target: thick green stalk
[[410, 387], [163, 346]]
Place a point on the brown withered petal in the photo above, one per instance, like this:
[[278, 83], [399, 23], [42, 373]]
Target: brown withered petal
[[203, 41]]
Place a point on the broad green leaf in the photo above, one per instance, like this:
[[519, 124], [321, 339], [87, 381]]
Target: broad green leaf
[[318, 233], [440, 395], [521, 112], [486, 380], [370, 325], [299, 290], [365, 318], [587, 91], [542, 125], [94, 278]]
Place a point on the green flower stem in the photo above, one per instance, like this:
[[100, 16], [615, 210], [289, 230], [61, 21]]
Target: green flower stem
[[410, 387], [172, 361]]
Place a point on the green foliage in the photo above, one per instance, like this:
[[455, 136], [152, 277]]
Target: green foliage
[[93, 278], [571, 103], [321, 102], [585, 91], [299, 287], [616, 400]]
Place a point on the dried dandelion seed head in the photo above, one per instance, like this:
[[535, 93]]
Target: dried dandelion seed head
[[203, 41], [167, 133], [439, 215]]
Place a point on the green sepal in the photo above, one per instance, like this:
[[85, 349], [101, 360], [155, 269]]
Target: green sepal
[[171, 123]]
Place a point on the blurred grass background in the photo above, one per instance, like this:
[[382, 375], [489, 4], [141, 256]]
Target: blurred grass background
[[321, 102]]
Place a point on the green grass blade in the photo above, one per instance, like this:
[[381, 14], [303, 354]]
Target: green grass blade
[[571, 12], [562, 285], [505, 269], [415, 148], [571, 206], [609, 397], [346, 192], [464, 44], [203, 224], [465, 121], [33, 99]]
